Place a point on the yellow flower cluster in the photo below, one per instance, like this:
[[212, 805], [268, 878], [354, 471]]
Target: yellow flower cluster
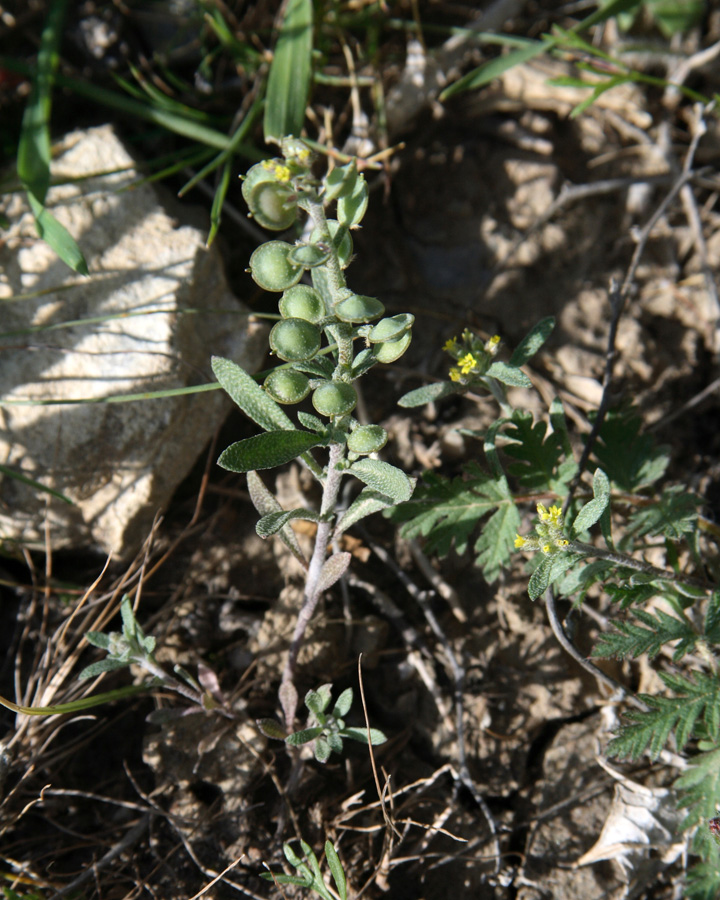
[[472, 355], [548, 537]]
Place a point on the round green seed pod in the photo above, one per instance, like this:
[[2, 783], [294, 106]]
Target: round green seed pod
[[334, 398], [287, 385], [273, 205], [357, 309], [295, 339], [302, 302], [392, 350], [260, 172], [367, 439], [391, 329], [271, 269]]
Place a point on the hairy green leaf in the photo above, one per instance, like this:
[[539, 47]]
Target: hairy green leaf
[[265, 451], [361, 735], [509, 374], [594, 509], [333, 570], [318, 701], [550, 570], [533, 341], [365, 504], [276, 521], [699, 787], [660, 628], [272, 729], [336, 869], [249, 396], [98, 639], [297, 738], [343, 703], [266, 503], [429, 393], [101, 666], [383, 478]]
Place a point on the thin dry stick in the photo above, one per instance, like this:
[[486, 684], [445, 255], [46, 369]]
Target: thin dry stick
[[458, 671], [129, 840]]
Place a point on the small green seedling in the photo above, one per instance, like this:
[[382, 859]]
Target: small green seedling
[[326, 729], [310, 875], [132, 646]]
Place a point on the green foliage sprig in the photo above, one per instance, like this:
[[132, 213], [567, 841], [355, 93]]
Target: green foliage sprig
[[326, 729], [132, 646], [310, 875], [327, 337], [594, 535]]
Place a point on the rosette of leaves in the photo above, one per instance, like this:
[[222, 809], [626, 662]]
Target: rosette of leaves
[[326, 338], [326, 730]]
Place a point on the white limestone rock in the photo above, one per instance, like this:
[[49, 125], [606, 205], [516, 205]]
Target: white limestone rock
[[154, 309]]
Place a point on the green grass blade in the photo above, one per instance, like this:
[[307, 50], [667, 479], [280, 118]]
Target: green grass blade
[[18, 476], [290, 73], [58, 237], [218, 200], [172, 121], [496, 67], [33, 160], [77, 705]]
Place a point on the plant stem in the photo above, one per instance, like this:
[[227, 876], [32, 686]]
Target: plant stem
[[628, 562], [331, 491]]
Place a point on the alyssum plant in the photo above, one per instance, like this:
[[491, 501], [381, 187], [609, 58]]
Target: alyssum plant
[[327, 337], [634, 511]]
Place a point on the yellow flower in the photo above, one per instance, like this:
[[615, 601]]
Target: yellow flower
[[519, 541], [552, 515], [546, 548], [450, 346], [491, 345], [562, 543], [454, 374], [467, 363], [282, 173]]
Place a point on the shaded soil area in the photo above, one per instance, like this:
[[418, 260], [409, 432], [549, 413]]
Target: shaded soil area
[[492, 784]]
